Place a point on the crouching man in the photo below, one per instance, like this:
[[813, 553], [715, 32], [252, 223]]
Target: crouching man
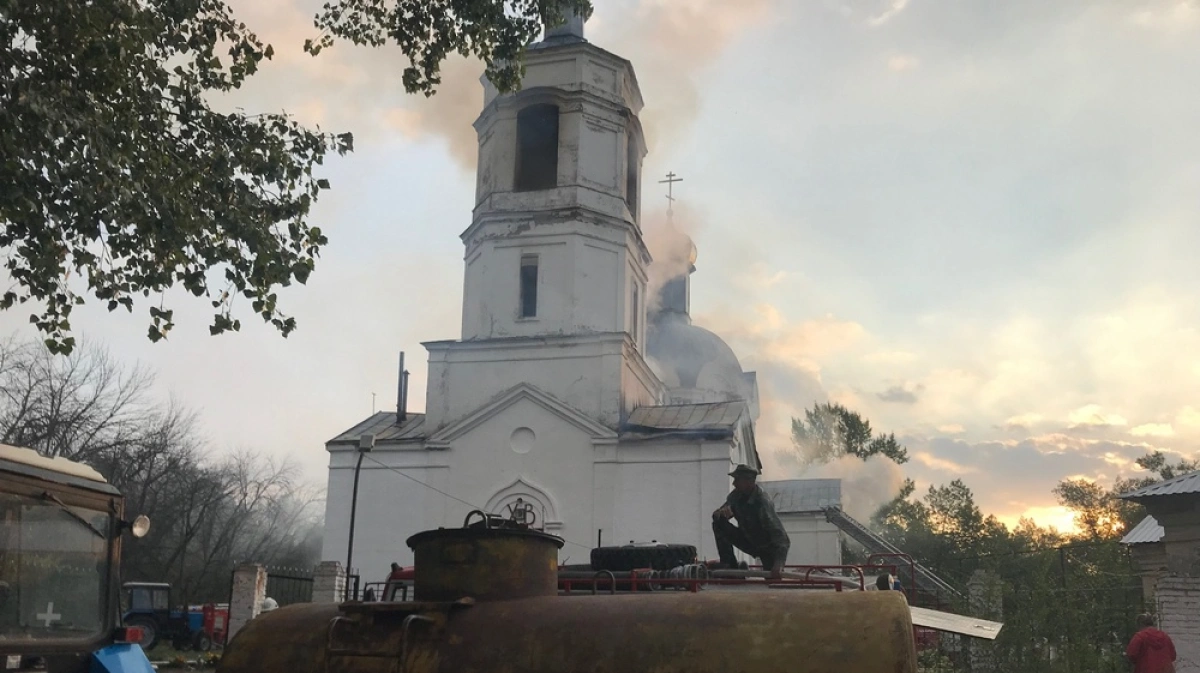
[[758, 532]]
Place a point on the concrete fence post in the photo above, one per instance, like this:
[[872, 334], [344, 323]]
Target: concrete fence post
[[329, 583], [249, 591], [985, 594]]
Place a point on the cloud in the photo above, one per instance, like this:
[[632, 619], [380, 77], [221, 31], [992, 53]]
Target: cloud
[[1171, 17], [1093, 415], [952, 429], [1022, 422], [1189, 417], [902, 62], [891, 12], [1152, 430], [905, 394], [942, 464], [1000, 474], [890, 358]]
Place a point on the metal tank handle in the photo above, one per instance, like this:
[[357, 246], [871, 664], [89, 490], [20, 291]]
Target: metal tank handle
[[487, 521], [612, 586], [404, 626]]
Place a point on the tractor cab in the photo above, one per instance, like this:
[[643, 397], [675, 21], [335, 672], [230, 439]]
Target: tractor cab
[[149, 608], [148, 597]]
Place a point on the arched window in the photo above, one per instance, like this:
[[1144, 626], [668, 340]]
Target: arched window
[[537, 148]]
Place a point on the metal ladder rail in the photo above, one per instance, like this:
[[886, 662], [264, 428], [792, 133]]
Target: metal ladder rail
[[932, 583]]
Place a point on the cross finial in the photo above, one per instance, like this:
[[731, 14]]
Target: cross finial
[[670, 183]]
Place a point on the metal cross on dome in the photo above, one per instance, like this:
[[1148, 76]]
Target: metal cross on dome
[[670, 183]]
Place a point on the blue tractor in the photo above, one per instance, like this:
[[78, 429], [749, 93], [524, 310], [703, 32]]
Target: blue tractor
[[150, 610]]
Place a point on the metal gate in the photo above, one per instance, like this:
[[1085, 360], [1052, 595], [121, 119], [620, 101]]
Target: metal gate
[[289, 585]]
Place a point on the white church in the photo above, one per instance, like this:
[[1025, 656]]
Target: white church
[[569, 391]]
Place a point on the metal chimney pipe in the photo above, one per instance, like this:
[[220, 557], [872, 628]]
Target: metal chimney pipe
[[404, 413], [401, 393]]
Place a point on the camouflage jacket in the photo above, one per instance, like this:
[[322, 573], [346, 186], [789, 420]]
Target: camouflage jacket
[[756, 517]]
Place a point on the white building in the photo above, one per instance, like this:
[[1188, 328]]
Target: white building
[[801, 505], [564, 390]]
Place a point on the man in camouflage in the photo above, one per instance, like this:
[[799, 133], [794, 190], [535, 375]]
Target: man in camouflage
[[759, 532]]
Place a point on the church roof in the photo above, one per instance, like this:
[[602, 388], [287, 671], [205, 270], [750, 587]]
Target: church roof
[[383, 425], [803, 495], [714, 418]]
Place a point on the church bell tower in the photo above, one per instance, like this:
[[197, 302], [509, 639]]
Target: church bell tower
[[554, 247]]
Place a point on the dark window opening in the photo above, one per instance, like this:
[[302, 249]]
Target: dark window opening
[[529, 279], [631, 177], [537, 148], [637, 300]]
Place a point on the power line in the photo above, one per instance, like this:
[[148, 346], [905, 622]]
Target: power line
[[452, 497]]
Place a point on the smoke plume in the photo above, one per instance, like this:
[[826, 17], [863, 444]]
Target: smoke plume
[[670, 243], [450, 114], [669, 42], [788, 357]]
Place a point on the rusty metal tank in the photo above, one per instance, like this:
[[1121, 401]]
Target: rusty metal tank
[[490, 605]]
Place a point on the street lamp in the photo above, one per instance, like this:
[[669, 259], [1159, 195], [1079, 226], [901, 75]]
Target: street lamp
[[365, 443]]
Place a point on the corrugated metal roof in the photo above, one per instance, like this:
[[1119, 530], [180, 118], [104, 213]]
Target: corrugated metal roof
[[383, 426], [694, 417], [803, 495], [1184, 484], [1146, 532]]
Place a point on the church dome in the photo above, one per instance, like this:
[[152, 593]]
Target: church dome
[[694, 359]]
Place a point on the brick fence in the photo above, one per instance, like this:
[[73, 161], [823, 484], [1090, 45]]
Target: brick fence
[[1178, 601]]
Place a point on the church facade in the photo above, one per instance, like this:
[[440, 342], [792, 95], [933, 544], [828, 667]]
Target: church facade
[[570, 393]]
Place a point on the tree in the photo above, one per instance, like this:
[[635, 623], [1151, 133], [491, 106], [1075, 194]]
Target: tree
[[497, 31], [206, 513], [829, 431], [117, 175], [1100, 511]]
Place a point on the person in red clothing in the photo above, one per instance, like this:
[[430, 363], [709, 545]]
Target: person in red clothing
[[1150, 650]]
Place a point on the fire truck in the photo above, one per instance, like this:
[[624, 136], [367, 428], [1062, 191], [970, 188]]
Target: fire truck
[[61, 525]]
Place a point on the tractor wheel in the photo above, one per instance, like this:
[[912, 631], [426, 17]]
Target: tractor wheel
[[149, 629], [202, 643], [632, 557]]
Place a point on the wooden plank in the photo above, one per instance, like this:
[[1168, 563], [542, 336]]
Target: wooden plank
[[952, 623]]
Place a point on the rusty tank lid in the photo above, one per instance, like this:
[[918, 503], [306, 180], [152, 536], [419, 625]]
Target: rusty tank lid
[[491, 559], [482, 533]]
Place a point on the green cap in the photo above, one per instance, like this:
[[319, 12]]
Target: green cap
[[744, 471]]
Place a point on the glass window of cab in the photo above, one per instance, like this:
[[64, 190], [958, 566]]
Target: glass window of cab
[[53, 564]]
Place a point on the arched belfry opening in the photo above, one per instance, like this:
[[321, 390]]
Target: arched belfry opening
[[537, 148]]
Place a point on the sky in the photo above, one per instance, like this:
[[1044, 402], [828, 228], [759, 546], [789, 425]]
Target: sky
[[973, 223]]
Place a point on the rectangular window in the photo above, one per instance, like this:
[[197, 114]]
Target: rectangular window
[[529, 281], [634, 322]]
